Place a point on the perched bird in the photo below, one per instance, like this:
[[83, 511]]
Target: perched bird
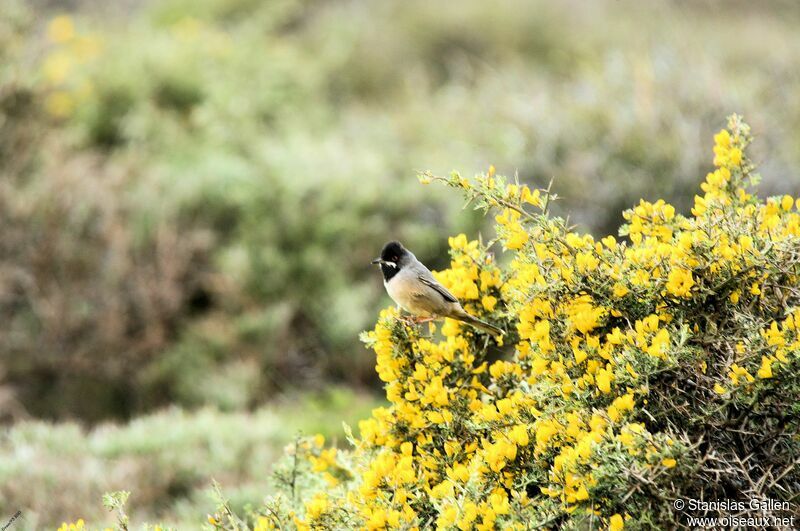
[[411, 285]]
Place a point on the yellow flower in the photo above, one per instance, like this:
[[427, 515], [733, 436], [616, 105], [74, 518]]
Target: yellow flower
[[497, 454], [519, 435], [669, 462], [620, 405], [316, 506], [583, 315], [77, 526], [57, 67], [603, 380], [517, 238], [469, 513], [616, 523], [765, 371], [735, 156], [59, 104], [738, 374], [722, 138], [489, 302], [376, 520], [85, 47], [586, 262], [620, 290], [680, 282], [533, 198], [60, 29], [458, 242], [459, 472], [447, 517], [326, 459]]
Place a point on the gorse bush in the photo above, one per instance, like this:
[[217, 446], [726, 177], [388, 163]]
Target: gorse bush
[[633, 373]]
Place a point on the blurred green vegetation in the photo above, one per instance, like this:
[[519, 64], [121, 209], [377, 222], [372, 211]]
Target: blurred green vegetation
[[168, 460], [191, 191]]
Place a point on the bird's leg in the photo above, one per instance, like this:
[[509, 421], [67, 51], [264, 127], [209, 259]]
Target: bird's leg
[[408, 320], [404, 318], [415, 320]]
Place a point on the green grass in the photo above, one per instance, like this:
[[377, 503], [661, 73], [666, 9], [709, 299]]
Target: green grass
[[167, 460]]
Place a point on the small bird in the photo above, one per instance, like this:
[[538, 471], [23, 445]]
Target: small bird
[[411, 285]]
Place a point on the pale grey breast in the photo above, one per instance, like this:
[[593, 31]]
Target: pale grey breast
[[415, 297]]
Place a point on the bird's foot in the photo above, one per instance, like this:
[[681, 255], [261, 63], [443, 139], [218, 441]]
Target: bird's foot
[[415, 320], [408, 320]]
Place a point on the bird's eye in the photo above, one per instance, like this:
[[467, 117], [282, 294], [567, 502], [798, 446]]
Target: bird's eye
[[394, 259]]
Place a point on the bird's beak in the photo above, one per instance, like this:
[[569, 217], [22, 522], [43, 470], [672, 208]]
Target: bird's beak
[[381, 261]]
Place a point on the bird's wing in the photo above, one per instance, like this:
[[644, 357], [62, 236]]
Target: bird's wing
[[428, 280]]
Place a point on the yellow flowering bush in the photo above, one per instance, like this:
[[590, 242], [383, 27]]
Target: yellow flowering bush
[[634, 372]]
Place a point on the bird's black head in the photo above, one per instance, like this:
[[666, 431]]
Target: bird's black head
[[393, 252], [393, 257]]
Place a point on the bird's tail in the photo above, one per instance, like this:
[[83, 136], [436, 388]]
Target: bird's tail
[[477, 323]]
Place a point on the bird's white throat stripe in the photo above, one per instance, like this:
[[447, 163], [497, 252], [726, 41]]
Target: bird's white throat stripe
[[387, 262]]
